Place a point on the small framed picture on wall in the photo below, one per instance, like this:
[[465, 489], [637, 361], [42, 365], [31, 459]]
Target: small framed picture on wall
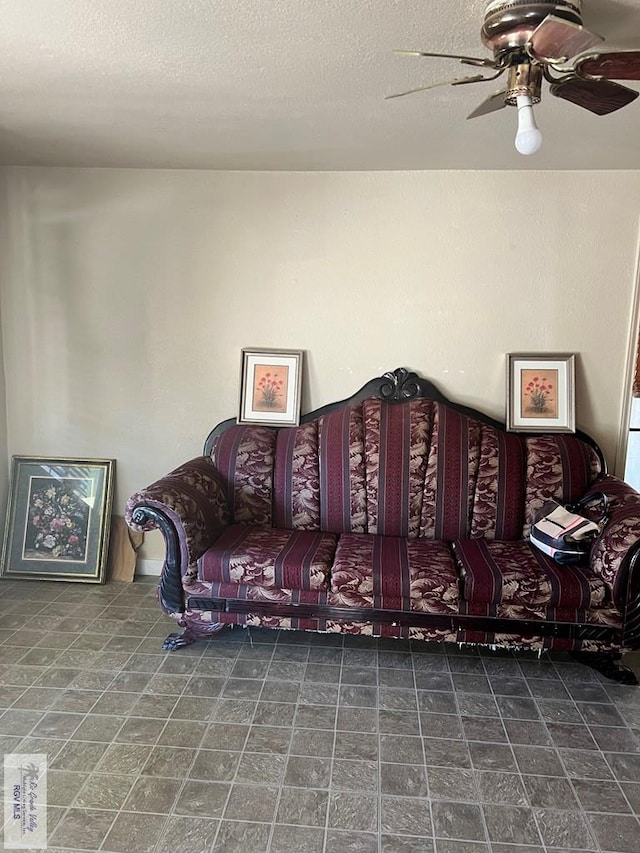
[[270, 387], [540, 393]]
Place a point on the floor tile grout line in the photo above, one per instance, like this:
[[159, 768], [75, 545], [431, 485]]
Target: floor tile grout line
[[517, 764], [202, 654], [556, 749], [250, 723], [332, 757], [424, 754], [63, 817], [185, 778], [139, 775], [571, 779]]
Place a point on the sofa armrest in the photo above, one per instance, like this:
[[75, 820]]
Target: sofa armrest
[[190, 508], [614, 553]]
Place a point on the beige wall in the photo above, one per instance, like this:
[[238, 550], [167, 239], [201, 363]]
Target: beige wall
[[128, 294]]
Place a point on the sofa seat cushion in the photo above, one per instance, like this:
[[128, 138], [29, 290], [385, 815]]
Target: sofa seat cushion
[[394, 573], [517, 573], [269, 557]]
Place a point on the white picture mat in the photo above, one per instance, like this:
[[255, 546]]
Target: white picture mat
[[254, 359]]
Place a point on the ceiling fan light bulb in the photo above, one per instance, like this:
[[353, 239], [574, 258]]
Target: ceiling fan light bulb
[[528, 137]]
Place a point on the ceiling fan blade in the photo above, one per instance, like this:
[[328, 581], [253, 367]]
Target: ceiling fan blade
[[490, 105], [466, 60], [599, 96], [618, 65], [556, 40], [461, 81]]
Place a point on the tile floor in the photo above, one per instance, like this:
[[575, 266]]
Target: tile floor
[[305, 743]]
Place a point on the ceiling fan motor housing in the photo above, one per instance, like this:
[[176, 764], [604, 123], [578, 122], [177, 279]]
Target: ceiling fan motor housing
[[509, 24]]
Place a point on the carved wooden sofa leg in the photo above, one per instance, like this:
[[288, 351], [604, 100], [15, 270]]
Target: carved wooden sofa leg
[[608, 664], [190, 634]]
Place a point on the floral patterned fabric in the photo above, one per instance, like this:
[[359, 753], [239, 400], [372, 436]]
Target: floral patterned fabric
[[397, 442], [416, 469], [518, 642], [267, 557], [622, 532], [194, 497], [244, 456], [498, 502], [359, 507], [458, 458], [296, 489], [204, 621], [606, 615], [394, 573], [517, 573], [559, 467], [343, 502]]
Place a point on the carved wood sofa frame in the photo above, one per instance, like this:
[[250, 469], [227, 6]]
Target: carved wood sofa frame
[[398, 387]]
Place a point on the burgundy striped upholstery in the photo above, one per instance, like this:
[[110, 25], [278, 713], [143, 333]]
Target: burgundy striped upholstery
[[397, 440], [558, 466], [343, 506], [518, 574], [296, 476], [498, 504], [415, 469], [253, 592], [606, 615], [395, 573], [271, 558], [244, 456], [610, 551], [458, 456]]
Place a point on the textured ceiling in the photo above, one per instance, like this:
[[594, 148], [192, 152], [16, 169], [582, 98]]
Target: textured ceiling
[[277, 84]]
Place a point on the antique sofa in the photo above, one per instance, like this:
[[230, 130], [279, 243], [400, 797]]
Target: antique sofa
[[394, 513]]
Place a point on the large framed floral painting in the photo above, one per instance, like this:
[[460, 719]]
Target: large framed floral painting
[[540, 393], [270, 387], [58, 519]]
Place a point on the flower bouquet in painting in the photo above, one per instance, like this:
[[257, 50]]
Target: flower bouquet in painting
[[58, 519], [270, 389], [540, 395]]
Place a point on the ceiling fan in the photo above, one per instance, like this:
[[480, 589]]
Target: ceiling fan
[[544, 40]]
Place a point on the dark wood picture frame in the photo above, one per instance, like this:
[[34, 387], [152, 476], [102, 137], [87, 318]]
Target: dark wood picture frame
[[58, 519]]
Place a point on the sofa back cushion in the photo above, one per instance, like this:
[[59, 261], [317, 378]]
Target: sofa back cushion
[[342, 462], [499, 495], [244, 457], [296, 478], [419, 468], [397, 441], [559, 466]]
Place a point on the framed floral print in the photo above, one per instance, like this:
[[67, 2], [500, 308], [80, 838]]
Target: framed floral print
[[540, 393], [58, 519], [270, 387]]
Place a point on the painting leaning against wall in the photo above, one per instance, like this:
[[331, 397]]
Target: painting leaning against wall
[[58, 519], [270, 387], [540, 392]]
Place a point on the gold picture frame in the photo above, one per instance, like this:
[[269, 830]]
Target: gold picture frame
[[270, 387], [58, 519], [541, 392]]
